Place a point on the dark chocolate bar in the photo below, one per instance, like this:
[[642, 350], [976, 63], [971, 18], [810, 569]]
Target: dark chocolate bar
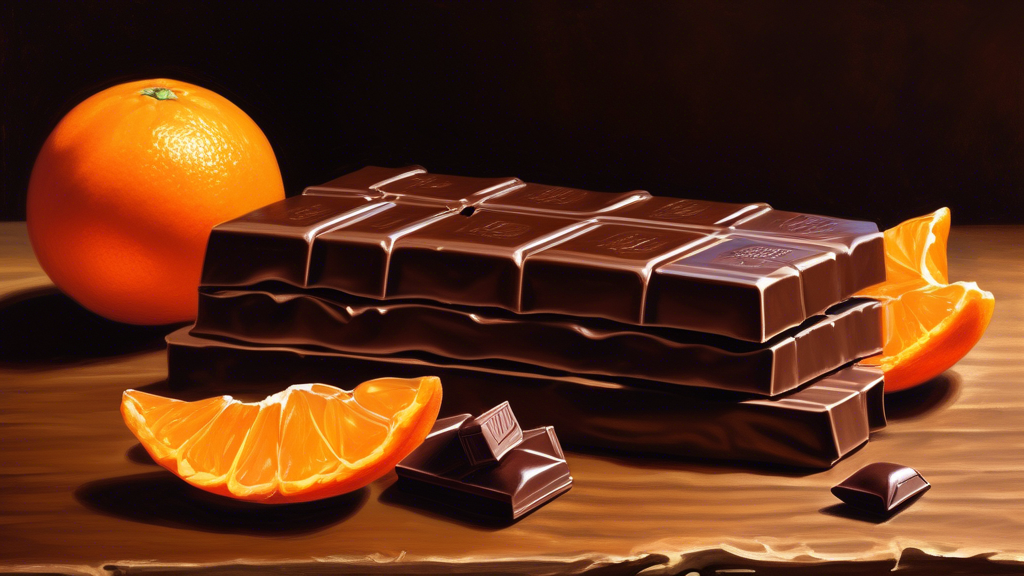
[[881, 487], [739, 270], [599, 349], [531, 474], [812, 427]]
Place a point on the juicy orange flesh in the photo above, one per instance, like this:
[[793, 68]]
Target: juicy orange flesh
[[257, 460], [175, 425], [385, 396], [288, 443], [305, 452], [357, 429], [929, 323], [215, 447], [917, 313], [915, 251]]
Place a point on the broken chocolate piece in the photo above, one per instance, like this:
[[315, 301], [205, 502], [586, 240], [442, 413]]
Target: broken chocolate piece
[[491, 435], [527, 477], [881, 487]]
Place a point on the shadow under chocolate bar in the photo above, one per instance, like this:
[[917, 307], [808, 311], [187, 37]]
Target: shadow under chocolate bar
[[274, 315], [740, 270], [812, 427]]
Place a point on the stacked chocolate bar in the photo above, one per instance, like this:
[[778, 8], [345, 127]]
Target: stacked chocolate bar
[[630, 322]]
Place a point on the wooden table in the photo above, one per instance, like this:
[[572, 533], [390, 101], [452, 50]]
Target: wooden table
[[79, 496]]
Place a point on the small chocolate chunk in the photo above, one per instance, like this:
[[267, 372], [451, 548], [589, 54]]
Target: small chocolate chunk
[[527, 477], [881, 487], [491, 435]]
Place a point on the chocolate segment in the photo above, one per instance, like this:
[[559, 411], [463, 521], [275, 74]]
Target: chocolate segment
[[529, 475], [452, 191], [487, 438], [856, 244], [553, 200], [364, 181], [471, 260], [354, 257], [273, 242], [812, 427], [685, 213], [413, 183], [881, 487], [603, 271], [746, 288], [600, 349]]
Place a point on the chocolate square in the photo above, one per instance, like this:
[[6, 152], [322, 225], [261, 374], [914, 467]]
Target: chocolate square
[[474, 260], [881, 487], [559, 200], [602, 272]]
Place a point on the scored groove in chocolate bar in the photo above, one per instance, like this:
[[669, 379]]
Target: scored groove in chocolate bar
[[273, 242], [685, 213], [743, 271], [279, 315], [474, 260], [561, 200], [356, 259], [812, 427], [364, 180]]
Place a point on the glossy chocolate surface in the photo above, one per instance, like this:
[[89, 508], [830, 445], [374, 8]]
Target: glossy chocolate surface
[[273, 242], [812, 427], [364, 180], [474, 260], [529, 475], [601, 349], [881, 487], [487, 438], [740, 270], [560, 200]]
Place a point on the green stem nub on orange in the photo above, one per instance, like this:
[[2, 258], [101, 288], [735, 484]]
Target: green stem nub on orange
[[159, 93]]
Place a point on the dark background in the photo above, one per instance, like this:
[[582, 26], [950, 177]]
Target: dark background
[[860, 109]]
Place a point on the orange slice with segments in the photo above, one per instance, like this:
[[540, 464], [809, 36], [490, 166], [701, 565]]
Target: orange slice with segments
[[930, 324], [308, 442]]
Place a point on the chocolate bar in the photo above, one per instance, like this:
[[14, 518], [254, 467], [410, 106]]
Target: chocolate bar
[[812, 427], [881, 488], [743, 271], [530, 473], [277, 315]]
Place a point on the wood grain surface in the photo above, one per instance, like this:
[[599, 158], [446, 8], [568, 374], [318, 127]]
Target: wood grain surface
[[79, 496]]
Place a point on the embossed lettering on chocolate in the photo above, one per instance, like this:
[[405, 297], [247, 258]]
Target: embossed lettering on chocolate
[[740, 270], [487, 438]]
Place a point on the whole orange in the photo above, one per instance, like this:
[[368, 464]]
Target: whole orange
[[127, 187]]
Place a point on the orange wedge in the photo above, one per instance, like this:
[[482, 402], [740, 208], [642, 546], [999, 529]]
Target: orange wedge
[[308, 442], [930, 324]]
